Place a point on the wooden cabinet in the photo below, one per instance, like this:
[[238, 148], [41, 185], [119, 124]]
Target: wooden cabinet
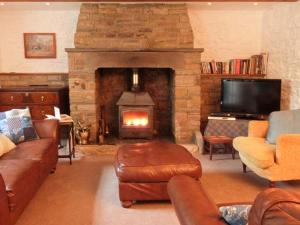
[[40, 99]]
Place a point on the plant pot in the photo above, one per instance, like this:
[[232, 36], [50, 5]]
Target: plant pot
[[84, 136]]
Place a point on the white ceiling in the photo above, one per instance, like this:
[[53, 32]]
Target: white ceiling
[[76, 5]]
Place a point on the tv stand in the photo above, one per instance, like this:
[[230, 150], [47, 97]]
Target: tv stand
[[225, 127]]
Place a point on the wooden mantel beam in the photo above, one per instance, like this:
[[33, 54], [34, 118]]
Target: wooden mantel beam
[[144, 1]]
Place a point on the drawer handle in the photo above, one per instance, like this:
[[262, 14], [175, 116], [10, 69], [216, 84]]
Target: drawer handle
[[42, 98], [11, 97], [26, 94]]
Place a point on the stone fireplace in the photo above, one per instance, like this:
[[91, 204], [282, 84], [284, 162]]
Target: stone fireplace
[[154, 37]]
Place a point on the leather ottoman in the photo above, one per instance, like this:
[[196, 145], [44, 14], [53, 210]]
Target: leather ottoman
[[144, 170]]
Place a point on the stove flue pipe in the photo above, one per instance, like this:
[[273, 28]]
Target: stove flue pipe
[[135, 80]]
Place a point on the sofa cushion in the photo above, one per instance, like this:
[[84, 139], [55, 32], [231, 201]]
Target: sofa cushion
[[21, 178], [256, 150], [5, 144], [283, 122], [16, 124], [35, 150]]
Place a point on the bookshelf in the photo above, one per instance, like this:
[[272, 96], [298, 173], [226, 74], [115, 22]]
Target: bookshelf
[[223, 75], [253, 65], [212, 72]]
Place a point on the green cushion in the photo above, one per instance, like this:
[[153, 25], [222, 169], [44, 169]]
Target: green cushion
[[283, 122]]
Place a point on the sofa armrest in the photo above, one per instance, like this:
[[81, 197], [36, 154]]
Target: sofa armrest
[[47, 128], [287, 150], [234, 203], [273, 205], [192, 205], [4, 209], [258, 128]]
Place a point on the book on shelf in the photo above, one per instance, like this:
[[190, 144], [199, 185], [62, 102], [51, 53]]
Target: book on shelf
[[255, 65], [214, 67]]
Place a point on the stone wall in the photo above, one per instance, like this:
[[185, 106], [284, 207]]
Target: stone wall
[[133, 26], [21, 79], [281, 39], [84, 83], [152, 36]]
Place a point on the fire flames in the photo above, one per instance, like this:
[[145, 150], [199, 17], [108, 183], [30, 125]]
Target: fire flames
[[135, 118]]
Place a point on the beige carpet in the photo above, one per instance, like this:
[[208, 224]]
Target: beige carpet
[[86, 193]]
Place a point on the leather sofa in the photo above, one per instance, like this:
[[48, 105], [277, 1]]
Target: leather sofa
[[193, 205], [24, 168]]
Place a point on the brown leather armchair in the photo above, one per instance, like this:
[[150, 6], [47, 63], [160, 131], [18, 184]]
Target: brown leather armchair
[[193, 206]]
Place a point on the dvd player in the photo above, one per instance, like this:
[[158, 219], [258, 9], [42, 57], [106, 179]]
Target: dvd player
[[238, 115], [222, 114]]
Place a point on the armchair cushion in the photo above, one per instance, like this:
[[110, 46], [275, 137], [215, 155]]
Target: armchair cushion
[[256, 150], [258, 128], [283, 122]]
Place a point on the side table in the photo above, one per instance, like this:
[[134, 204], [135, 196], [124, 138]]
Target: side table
[[67, 123]]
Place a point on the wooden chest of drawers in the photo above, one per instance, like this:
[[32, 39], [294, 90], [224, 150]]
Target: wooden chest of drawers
[[40, 99]]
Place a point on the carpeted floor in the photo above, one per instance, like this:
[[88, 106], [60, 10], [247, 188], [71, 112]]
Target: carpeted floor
[[86, 193]]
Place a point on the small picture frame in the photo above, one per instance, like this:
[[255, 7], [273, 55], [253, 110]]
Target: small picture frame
[[40, 45]]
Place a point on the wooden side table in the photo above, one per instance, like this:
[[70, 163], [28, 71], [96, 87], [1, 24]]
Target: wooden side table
[[214, 140], [68, 123]]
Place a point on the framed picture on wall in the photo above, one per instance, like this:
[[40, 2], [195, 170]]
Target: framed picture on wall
[[40, 45]]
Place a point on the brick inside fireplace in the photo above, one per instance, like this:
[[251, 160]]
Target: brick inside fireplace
[[111, 39]]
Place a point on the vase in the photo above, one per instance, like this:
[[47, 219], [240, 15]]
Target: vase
[[84, 136]]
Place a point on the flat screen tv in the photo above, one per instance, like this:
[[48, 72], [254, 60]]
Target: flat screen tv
[[250, 96]]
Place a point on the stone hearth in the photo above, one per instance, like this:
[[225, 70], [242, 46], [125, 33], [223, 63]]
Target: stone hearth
[[136, 36]]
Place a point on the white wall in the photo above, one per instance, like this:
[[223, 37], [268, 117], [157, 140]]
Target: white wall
[[227, 31], [281, 38], [15, 21], [219, 29]]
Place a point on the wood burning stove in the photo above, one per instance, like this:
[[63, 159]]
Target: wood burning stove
[[135, 115], [135, 112]]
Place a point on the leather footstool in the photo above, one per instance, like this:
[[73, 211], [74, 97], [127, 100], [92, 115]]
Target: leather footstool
[[144, 170]]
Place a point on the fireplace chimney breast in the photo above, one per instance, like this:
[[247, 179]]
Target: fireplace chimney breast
[[136, 36], [143, 26]]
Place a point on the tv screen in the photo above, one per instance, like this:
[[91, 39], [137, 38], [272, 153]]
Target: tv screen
[[250, 96]]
